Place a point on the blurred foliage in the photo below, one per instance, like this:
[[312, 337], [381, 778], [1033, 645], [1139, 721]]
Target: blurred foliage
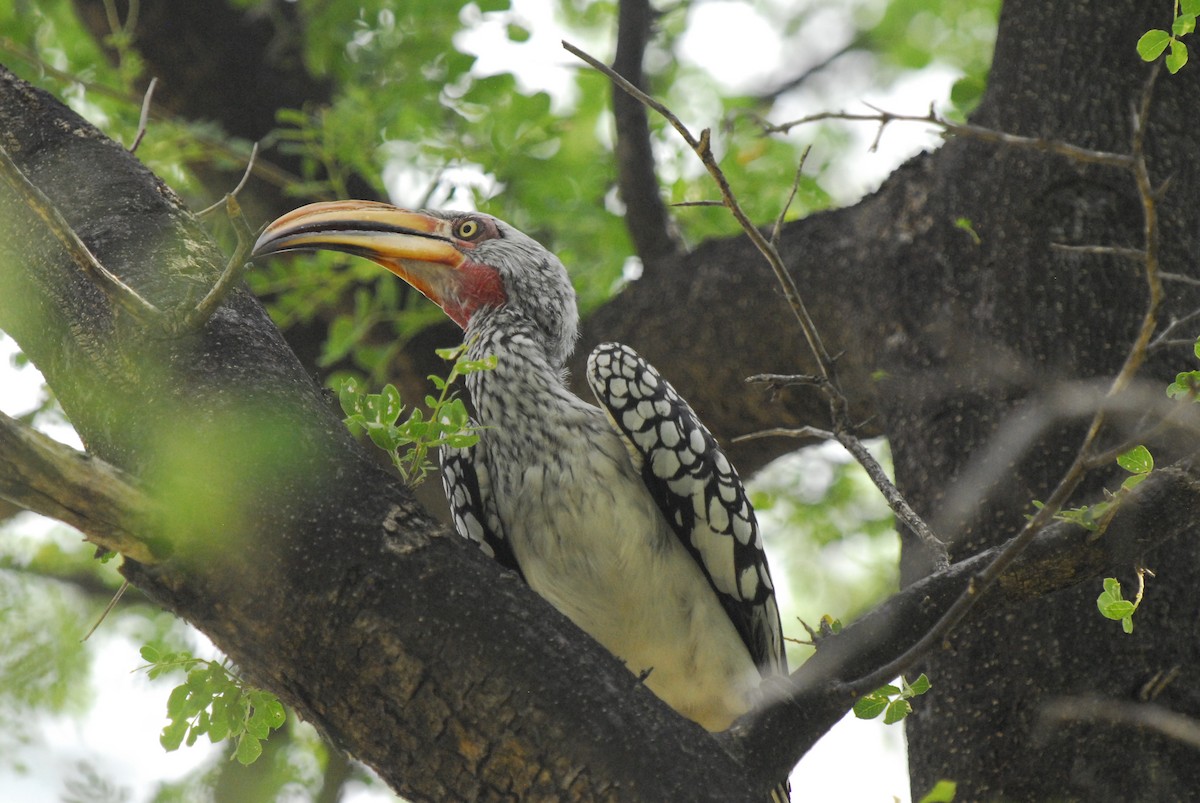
[[417, 117]]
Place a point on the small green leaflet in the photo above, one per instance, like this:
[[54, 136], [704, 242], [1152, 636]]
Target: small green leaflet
[[1137, 460], [1152, 44], [1114, 606]]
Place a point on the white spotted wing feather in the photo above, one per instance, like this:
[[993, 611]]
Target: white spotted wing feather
[[697, 490]]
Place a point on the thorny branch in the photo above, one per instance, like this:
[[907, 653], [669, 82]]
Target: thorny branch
[[827, 379], [975, 132], [1135, 162]]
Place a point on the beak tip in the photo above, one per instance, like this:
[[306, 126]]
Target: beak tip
[[262, 246]]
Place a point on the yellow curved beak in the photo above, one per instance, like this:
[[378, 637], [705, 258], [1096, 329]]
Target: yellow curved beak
[[417, 247]]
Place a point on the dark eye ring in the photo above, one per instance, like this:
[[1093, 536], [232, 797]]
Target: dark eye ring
[[468, 229]]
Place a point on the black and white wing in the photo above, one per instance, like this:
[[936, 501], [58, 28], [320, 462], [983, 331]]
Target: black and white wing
[[697, 490], [467, 483]]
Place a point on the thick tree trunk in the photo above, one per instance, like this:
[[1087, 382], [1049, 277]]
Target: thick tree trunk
[[983, 333]]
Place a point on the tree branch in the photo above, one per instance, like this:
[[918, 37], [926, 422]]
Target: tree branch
[[1162, 508], [646, 216], [44, 476]]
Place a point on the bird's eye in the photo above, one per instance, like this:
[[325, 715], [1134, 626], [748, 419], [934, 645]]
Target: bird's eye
[[468, 229]]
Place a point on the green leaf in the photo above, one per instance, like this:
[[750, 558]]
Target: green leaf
[[1116, 610], [1137, 460], [1132, 482], [1190, 7], [268, 708], [1177, 57], [870, 706], [172, 735], [966, 225], [896, 711], [1113, 606], [248, 749], [942, 792], [1152, 44], [1196, 345], [1183, 385], [1183, 24], [919, 686]]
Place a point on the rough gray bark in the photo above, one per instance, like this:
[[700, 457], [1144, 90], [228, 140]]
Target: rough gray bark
[[987, 330]]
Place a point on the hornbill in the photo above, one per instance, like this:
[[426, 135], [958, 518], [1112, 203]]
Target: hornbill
[[627, 517]]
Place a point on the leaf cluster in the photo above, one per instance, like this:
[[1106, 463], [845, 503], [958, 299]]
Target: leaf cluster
[[1154, 42], [1187, 383], [215, 702], [445, 422], [891, 701], [1139, 463]]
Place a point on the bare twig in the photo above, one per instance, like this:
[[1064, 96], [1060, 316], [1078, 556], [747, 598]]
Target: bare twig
[[234, 268], [241, 185], [1164, 337], [145, 117], [976, 132], [1182, 278], [701, 146], [1136, 254], [35, 199], [785, 432], [778, 228], [119, 291], [796, 81], [112, 603], [785, 380]]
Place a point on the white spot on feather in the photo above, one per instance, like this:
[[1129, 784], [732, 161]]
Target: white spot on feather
[[718, 517]]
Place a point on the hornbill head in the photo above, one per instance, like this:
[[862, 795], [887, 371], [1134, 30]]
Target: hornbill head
[[470, 264]]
